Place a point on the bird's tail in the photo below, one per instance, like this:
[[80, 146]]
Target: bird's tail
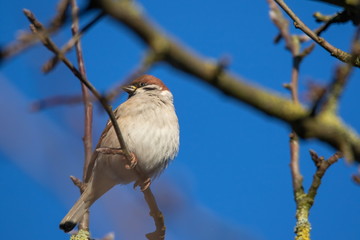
[[77, 211], [101, 181]]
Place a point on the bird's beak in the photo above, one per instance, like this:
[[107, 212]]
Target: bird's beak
[[129, 88]]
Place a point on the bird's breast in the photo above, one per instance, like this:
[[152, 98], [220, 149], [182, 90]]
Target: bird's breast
[[151, 132]]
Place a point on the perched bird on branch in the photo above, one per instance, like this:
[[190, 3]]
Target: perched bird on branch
[[150, 128]]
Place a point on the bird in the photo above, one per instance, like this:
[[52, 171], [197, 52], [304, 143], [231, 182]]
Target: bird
[[150, 128]]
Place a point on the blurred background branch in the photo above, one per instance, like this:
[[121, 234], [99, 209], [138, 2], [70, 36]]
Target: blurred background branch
[[320, 120], [329, 129]]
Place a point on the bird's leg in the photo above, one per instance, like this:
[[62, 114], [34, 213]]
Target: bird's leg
[[109, 150], [118, 151]]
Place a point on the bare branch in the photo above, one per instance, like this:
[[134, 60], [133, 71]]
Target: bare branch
[[61, 14], [328, 129], [339, 54], [147, 62], [304, 201], [322, 165], [88, 110], [329, 20], [51, 63], [297, 178], [143, 180], [28, 39], [55, 101], [328, 100]]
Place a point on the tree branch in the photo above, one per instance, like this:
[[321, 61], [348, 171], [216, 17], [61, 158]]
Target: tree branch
[[143, 180], [88, 109], [50, 64], [28, 39], [114, 92], [327, 128], [293, 43], [336, 52]]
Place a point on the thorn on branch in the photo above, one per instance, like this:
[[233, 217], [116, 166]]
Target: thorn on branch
[[77, 182], [221, 66]]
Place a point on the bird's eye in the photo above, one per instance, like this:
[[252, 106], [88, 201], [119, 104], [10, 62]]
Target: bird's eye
[[149, 88], [142, 84]]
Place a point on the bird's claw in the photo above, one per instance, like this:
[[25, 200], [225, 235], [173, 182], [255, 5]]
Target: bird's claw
[[132, 163], [143, 184]]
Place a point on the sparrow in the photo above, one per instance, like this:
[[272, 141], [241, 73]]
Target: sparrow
[[150, 128]]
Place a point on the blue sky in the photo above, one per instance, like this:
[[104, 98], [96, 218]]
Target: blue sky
[[231, 179]]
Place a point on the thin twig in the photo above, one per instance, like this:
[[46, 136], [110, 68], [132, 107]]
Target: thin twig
[[293, 43], [55, 101], [336, 52], [321, 165], [28, 39], [38, 28], [283, 25], [329, 20], [333, 132], [144, 181], [296, 176], [88, 109], [110, 95], [304, 201], [61, 14], [327, 101], [51, 63]]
